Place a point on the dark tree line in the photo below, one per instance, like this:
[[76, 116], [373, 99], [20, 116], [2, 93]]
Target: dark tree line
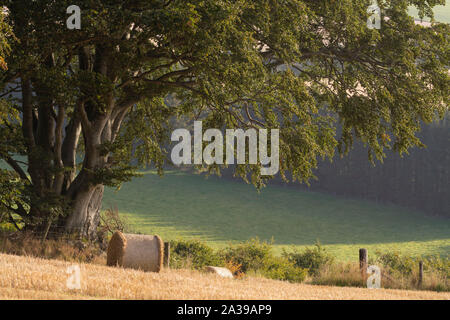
[[419, 180]]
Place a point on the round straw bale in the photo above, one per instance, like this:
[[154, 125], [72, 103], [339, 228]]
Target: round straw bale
[[136, 251], [116, 249]]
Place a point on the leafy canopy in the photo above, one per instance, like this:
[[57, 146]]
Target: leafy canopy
[[306, 67]]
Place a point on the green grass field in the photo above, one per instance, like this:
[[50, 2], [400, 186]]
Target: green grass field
[[219, 211]]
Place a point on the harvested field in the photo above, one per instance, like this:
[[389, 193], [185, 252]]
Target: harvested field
[[31, 278]]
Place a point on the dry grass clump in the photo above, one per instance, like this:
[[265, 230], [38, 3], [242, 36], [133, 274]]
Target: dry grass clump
[[432, 280], [24, 244], [347, 274], [339, 274], [33, 278]]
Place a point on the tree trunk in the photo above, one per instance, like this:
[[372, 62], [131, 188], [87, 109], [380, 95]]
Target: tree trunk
[[85, 215]]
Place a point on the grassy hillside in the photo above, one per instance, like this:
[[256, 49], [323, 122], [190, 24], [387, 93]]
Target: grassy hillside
[[31, 278], [184, 205]]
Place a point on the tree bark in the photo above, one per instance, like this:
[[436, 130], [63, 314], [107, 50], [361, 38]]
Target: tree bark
[[52, 154], [85, 215]]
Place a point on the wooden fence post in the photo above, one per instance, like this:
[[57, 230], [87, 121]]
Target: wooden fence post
[[420, 273], [363, 259], [166, 254]]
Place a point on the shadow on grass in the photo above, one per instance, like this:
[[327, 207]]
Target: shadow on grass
[[187, 205]]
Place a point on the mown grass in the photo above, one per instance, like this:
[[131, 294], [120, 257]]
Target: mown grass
[[181, 205], [33, 278], [253, 258]]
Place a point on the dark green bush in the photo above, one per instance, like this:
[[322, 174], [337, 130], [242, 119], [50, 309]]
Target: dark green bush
[[436, 271], [193, 254], [405, 265], [395, 262], [251, 255], [439, 264], [312, 259], [280, 268], [257, 256]]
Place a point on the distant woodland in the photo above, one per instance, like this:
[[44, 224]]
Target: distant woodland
[[420, 180]]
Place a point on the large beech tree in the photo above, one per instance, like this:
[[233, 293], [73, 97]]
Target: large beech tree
[[82, 104]]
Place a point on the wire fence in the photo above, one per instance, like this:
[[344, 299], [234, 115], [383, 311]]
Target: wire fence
[[55, 233]]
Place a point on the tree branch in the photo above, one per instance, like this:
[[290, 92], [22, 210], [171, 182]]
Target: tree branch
[[17, 168], [11, 219]]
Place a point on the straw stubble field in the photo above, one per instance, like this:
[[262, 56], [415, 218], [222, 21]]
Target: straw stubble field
[[32, 278]]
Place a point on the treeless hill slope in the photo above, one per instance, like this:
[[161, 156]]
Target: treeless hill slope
[[31, 278]]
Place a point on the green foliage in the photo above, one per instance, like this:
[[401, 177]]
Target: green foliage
[[280, 268], [234, 64], [402, 264], [12, 192], [402, 271], [5, 38], [396, 262], [312, 259], [6, 226], [257, 257], [194, 254], [439, 264], [251, 255]]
